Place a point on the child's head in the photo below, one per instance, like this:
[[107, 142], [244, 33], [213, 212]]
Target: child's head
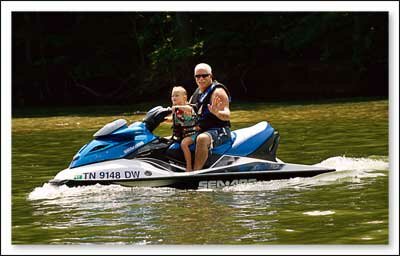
[[178, 95]]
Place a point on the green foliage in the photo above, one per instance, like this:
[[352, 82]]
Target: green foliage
[[125, 57]]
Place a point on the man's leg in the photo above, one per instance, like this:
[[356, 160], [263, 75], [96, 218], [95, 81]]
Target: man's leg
[[203, 142]]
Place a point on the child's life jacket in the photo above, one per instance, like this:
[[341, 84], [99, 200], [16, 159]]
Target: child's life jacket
[[184, 124]]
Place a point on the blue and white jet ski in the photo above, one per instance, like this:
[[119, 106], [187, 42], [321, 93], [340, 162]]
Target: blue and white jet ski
[[133, 156]]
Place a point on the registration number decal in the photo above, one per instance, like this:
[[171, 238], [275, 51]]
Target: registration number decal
[[107, 175]]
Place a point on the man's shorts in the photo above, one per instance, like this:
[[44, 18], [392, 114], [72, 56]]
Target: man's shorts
[[219, 136]]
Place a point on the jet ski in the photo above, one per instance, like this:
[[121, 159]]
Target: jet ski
[[133, 156]]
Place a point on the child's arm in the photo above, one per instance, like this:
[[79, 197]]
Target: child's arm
[[185, 108]]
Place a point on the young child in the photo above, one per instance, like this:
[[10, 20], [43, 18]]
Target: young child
[[184, 123]]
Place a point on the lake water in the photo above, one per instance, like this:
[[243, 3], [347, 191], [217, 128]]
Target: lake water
[[349, 206]]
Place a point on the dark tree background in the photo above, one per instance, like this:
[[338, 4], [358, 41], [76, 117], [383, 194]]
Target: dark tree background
[[77, 58]]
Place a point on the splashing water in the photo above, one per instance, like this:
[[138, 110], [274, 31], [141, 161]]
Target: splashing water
[[342, 163], [347, 170], [48, 191]]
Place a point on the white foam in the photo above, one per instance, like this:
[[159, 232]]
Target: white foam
[[341, 163], [319, 213], [48, 191]]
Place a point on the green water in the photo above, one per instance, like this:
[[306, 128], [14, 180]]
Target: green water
[[349, 206]]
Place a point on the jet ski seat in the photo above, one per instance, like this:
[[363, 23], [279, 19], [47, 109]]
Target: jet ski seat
[[243, 141], [247, 140]]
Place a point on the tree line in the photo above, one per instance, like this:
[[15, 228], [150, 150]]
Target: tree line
[[90, 58]]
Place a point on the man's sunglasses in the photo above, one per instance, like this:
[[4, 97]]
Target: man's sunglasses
[[202, 75]]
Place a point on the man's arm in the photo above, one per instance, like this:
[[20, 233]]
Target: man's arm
[[220, 104]]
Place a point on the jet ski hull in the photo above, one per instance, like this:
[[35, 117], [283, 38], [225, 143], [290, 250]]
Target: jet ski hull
[[136, 173]]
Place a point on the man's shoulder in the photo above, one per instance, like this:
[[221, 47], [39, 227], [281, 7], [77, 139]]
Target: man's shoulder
[[220, 90]]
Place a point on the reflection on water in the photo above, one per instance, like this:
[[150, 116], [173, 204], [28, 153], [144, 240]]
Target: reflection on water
[[262, 212]]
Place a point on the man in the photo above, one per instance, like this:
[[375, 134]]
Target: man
[[211, 102]]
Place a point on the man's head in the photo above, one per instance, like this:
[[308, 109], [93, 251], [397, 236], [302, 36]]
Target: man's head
[[203, 75], [178, 95]]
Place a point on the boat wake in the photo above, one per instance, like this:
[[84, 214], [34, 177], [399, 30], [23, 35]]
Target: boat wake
[[348, 169], [48, 191], [342, 163]]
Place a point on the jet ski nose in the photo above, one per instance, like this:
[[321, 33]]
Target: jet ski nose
[[76, 157]]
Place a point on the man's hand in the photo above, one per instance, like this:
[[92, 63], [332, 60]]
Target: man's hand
[[220, 104], [216, 105]]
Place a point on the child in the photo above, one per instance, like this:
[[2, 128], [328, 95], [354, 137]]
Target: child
[[184, 123]]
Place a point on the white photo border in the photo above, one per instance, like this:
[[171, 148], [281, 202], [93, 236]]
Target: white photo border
[[392, 7]]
